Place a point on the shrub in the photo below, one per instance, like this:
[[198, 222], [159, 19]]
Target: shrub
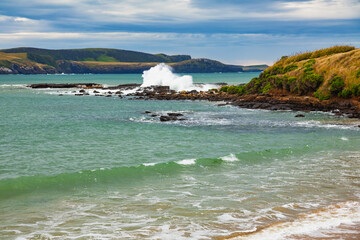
[[355, 90], [321, 96], [315, 79], [336, 85], [213, 90], [345, 93], [277, 70], [358, 74], [267, 87], [290, 68], [224, 88], [233, 89], [309, 63], [236, 90]]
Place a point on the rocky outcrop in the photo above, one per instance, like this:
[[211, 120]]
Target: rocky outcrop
[[347, 107]]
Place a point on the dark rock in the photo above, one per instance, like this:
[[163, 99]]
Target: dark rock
[[118, 92], [82, 91], [175, 114], [96, 91], [299, 115], [78, 94], [60, 94], [168, 118], [165, 118], [161, 89], [193, 91], [64, 85], [153, 115], [147, 112], [108, 96]]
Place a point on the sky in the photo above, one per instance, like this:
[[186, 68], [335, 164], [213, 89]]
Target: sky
[[232, 31]]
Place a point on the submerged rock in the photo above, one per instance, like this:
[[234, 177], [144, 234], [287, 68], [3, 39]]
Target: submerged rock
[[299, 115], [175, 114]]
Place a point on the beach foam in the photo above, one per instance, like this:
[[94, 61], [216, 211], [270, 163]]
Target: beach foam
[[312, 224]]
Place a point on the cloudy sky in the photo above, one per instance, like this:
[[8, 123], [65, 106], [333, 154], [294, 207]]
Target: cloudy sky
[[232, 31]]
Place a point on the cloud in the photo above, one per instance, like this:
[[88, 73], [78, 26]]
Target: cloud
[[204, 28], [320, 9], [179, 11], [21, 24]]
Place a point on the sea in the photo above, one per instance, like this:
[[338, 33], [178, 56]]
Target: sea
[[90, 167]]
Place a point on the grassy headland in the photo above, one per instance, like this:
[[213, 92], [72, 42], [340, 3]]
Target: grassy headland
[[326, 73], [103, 60]]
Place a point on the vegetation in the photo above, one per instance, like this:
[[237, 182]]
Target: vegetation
[[355, 90], [319, 53], [98, 54], [233, 89], [358, 74], [324, 73], [345, 93], [336, 85], [101, 60], [321, 96]]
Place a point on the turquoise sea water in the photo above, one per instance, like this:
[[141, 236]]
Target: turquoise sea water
[[94, 167]]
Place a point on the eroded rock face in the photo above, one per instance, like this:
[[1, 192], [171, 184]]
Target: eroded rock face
[[5, 70]]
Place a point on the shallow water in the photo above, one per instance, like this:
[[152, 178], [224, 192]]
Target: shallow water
[[96, 167]]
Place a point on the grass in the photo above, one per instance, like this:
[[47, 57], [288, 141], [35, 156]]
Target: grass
[[324, 73], [319, 53], [12, 56]]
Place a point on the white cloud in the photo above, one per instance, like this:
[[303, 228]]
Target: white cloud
[[185, 11], [126, 36], [321, 9], [21, 24]]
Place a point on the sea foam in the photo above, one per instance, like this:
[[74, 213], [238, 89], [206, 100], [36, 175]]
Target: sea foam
[[162, 75]]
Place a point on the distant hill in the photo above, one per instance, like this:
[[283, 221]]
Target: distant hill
[[326, 73], [26, 60]]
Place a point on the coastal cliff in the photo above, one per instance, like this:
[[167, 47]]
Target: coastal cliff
[[325, 80], [102, 61]]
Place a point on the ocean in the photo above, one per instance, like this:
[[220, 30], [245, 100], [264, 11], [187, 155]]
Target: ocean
[[87, 167]]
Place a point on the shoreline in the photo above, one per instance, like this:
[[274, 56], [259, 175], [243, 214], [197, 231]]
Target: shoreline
[[340, 107], [281, 101]]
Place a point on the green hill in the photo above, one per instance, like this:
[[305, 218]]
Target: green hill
[[325, 73], [49, 57], [102, 60]]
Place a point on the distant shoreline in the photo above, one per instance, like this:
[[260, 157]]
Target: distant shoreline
[[26, 60]]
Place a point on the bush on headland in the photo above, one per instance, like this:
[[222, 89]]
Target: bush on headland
[[325, 73]]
